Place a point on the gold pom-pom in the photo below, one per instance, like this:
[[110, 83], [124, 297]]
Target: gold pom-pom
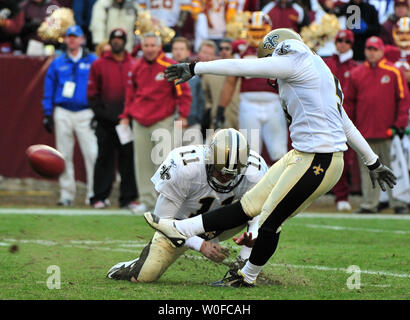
[[54, 27], [316, 35]]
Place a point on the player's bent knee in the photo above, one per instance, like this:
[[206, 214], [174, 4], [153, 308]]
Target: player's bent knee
[[249, 207]]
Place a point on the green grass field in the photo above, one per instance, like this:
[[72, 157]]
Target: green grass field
[[311, 262]]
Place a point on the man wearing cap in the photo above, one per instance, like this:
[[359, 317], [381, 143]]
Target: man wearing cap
[[379, 97], [341, 63], [106, 94], [152, 103], [401, 9], [65, 93]]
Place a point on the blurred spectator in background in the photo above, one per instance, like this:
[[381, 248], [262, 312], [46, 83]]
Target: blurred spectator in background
[[106, 96], [286, 14], [172, 12], [212, 86], [368, 25], [260, 110], [232, 109], [65, 93], [399, 53], [238, 6], [379, 97], [385, 8], [401, 9], [35, 12], [181, 50], [110, 14], [65, 3], [102, 48], [11, 23], [214, 11], [341, 63], [82, 14], [325, 7], [151, 102]]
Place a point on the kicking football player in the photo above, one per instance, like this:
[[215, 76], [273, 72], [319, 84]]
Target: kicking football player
[[193, 180], [319, 128]]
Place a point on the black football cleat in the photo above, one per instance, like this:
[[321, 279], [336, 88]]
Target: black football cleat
[[233, 278], [121, 271]]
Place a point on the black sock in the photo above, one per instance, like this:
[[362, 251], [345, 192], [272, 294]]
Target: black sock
[[224, 218], [265, 246]]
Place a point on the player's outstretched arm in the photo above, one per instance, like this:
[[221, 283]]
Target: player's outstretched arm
[[280, 67]]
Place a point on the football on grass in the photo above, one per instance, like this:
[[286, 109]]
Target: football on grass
[[45, 160]]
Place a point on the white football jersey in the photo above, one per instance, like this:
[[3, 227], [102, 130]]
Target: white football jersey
[[312, 102], [165, 10], [182, 179], [310, 95]]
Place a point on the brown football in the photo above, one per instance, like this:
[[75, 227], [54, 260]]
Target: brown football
[[45, 160]]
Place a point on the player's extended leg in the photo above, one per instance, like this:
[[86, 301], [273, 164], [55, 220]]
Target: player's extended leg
[[223, 218], [154, 260], [306, 178]]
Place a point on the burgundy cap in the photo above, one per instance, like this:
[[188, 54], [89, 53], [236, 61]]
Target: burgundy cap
[[345, 34], [375, 42], [401, 2]]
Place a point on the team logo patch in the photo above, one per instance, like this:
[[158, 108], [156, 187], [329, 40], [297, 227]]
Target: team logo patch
[[164, 173], [317, 170], [85, 66], [160, 76], [283, 49], [385, 79], [271, 42]]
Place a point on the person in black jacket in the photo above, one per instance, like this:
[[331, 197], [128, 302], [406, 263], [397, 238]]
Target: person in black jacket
[[368, 25], [106, 95]]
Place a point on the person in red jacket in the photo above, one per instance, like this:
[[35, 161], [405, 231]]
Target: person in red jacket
[[341, 63], [286, 14], [106, 95], [151, 102], [379, 97]]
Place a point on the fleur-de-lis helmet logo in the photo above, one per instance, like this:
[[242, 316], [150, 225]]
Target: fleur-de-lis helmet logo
[[271, 42]]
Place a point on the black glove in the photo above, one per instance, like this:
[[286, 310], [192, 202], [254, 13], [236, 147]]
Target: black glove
[[219, 121], [48, 123], [382, 174], [399, 131], [181, 71]]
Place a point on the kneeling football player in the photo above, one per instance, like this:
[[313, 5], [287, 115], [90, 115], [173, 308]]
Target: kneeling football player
[[193, 180]]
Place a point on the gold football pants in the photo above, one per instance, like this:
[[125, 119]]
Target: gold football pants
[[160, 254], [291, 185]]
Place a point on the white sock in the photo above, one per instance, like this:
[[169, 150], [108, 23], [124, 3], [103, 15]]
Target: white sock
[[251, 272], [245, 252], [190, 227]]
